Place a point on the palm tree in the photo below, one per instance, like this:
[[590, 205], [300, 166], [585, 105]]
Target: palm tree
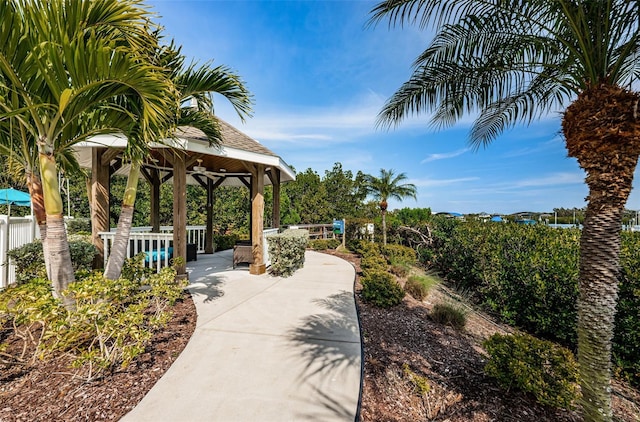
[[388, 186], [61, 63], [515, 61], [191, 82]]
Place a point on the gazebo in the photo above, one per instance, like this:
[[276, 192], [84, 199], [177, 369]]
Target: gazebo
[[188, 159]]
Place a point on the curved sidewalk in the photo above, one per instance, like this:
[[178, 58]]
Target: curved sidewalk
[[265, 348]]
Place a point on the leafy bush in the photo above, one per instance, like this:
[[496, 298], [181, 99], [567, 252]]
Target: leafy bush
[[78, 225], [364, 248], [398, 254], [528, 276], [29, 258], [626, 339], [373, 263], [419, 286], [448, 314], [287, 251], [224, 242], [323, 244], [381, 289], [540, 367], [110, 325]]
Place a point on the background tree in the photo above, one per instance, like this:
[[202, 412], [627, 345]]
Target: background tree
[[387, 186], [514, 61]]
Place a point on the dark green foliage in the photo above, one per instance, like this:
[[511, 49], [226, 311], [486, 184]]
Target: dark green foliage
[[525, 274], [528, 276], [540, 367], [419, 286], [448, 314], [398, 254], [29, 258], [78, 226], [286, 251], [381, 289], [224, 242], [324, 244], [626, 339]]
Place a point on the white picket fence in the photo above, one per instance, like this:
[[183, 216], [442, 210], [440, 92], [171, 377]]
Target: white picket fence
[[20, 231]]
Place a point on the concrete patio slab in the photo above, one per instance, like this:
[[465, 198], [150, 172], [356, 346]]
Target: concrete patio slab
[[265, 348]]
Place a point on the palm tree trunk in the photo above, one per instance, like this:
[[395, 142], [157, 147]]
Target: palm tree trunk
[[57, 257], [599, 267], [37, 201], [384, 227], [602, 132], [121, 240]]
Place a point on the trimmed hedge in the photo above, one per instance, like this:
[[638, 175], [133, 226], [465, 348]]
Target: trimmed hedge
[[528, 276], [286, 250]]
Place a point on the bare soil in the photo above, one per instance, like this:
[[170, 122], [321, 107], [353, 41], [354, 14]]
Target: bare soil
[[401, 345]]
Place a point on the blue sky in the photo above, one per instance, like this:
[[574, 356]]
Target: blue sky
[[320, 76]]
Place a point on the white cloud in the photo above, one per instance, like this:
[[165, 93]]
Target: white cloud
[[428, 183], [443, 156]]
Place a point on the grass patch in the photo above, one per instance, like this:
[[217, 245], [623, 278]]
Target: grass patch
[[449, 314]]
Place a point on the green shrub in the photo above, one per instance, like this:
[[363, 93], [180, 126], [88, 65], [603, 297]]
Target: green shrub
[[286, 251], [419, 286], [323, 244], [398, 254], [224, 242], [540, 367], [78, 225], [448, 314], [373, 263], [110, 325], [29, 258], [381, 289], [364, 247], [528, 277]]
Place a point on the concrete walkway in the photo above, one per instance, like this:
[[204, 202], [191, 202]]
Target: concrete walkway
[[265, 348]]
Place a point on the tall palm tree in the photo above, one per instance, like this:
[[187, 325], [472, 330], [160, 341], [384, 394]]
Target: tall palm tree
[[514, 61], [190, 82], [388, 185], [61, 62]]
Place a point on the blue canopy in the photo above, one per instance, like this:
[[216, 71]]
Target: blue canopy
[[13, 196]]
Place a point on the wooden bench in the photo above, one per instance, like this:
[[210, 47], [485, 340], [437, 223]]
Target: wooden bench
[[242, 253]]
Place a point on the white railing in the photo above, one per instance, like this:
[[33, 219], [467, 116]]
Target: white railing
[[265, 244], [22, 230], [195, 234], [157, 247]]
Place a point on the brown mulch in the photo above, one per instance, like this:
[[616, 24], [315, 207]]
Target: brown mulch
[[401, 345]]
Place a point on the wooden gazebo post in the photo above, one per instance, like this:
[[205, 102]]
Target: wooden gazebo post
[[180, 212], [257, 219]]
